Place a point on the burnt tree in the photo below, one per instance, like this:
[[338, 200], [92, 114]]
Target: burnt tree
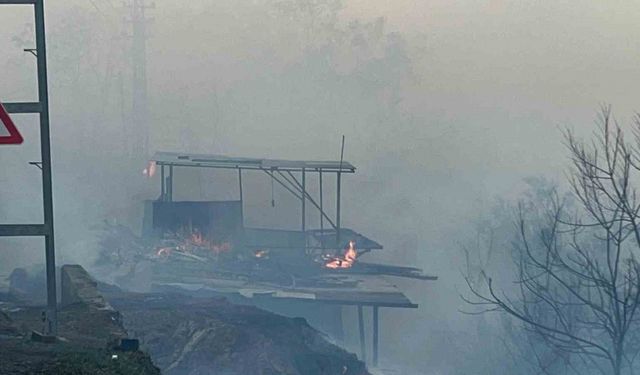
[[577, 274]]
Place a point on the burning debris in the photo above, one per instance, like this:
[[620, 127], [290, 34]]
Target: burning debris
[[345, 261], [194, 243], [262, 254], [190, 252], [197, 246]]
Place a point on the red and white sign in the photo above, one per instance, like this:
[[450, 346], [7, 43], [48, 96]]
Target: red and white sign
[[9, 134]]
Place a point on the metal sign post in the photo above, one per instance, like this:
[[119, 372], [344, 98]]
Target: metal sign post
[[42, 108]]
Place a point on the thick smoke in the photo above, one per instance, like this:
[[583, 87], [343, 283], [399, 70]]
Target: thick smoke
[[445, 107]]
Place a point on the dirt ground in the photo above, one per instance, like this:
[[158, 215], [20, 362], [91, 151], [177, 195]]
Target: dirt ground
[[84, 346], [196, 336], [178, 333]]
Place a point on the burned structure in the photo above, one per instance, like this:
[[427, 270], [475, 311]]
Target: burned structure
[[204, 247]]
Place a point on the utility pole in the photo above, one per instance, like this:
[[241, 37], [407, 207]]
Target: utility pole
[[139, 108]]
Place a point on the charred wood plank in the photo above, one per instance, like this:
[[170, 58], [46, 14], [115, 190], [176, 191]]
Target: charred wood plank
[[388, 270]]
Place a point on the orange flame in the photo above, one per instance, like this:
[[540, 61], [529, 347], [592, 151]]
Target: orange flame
[[197, 239], [261, 254], [150, 171], [345, 261]]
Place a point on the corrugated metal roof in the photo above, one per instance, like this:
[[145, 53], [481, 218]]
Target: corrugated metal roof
[[222, 161]]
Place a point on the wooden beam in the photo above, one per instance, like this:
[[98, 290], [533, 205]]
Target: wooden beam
[[363, 349], [375, 335], [362, 268]]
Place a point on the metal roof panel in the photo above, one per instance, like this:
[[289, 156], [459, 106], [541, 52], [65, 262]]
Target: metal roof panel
[[223, 161]]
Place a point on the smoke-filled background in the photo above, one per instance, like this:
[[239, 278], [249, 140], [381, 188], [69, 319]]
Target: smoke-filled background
[[445, 106]]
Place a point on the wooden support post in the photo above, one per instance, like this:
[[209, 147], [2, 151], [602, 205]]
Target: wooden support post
[[163, 191], [321, 214], [241, 197], [170, 185], [338, 210], [304, 200], [375, 335], [363, 348], [339, 178]]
